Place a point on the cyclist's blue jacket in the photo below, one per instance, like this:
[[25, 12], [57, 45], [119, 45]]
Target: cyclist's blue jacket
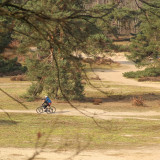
[[48, 100]]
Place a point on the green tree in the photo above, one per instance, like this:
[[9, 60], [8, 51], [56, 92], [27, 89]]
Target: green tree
[[58, 29], [145, 47], [5, 34]]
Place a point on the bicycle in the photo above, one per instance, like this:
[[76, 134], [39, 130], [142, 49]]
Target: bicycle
[[49, 109]]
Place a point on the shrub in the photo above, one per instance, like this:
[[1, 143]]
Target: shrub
[[29, 98], [9, 66], [154, 79], [18, 78], [148, 72], [120, 48], [137, 101], [35, 89], [97, 101]]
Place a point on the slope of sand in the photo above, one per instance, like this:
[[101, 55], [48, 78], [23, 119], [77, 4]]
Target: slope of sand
[[116, 75]]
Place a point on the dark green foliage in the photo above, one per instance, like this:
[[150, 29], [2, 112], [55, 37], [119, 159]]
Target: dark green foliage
[[148, 72], [144, 49], [5, 39], [35, 89], [8, 66], [5, 34], [120, 48], [146, 45], [46, 79]]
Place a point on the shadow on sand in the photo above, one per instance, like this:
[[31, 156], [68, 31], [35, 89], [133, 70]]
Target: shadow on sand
[[61, 112]]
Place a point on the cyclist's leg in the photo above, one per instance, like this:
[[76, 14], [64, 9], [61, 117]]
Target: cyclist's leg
[[45, 106]]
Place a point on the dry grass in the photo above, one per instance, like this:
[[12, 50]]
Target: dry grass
[[68, 132], [117, 97], [66, 129]]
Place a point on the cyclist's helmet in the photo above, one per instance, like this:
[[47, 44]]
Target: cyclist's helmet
[[46, 96]]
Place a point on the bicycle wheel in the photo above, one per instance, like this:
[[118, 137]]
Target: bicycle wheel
[[51, 110], [39, 110]]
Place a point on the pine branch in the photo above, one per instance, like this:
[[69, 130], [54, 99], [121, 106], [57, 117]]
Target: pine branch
[[13, 98], [150, 4]]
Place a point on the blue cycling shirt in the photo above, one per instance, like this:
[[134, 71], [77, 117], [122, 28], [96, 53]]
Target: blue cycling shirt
[[48, 100]]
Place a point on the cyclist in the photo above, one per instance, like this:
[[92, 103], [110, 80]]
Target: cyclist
[[47, 102]]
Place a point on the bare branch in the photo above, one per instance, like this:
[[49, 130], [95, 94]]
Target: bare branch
[[13, 98], [150, 4]]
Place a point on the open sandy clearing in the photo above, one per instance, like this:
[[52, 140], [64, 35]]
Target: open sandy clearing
[[116, 75]]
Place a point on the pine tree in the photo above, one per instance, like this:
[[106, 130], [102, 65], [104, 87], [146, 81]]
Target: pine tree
[[5, 34], [58, 30], [145, 46]]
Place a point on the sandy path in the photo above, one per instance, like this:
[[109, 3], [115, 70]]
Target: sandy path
[[97, 113], [141, 153], [116, 75]]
